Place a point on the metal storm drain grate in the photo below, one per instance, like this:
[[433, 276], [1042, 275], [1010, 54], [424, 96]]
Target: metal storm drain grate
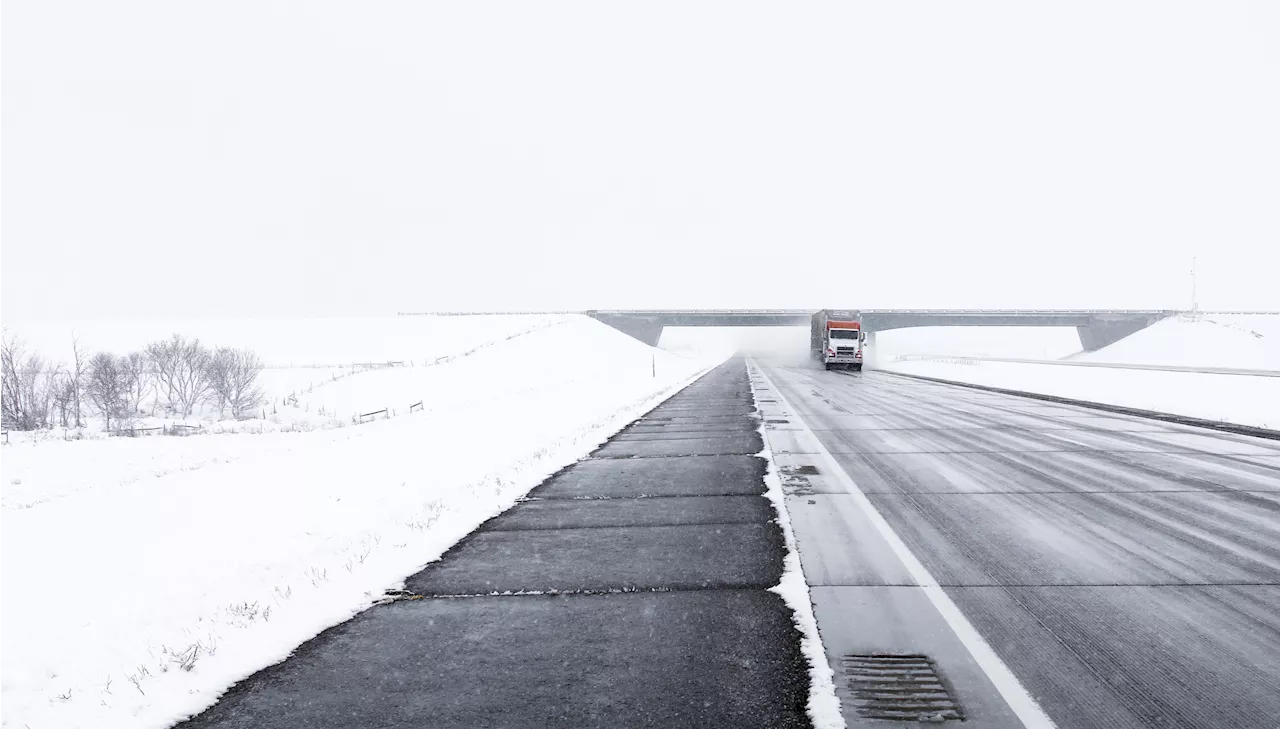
[[806, 470], [777, 421], [902, 687]]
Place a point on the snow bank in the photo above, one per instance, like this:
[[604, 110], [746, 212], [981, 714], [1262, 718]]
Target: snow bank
[[1243, 400], [509, 367], [143, 577], [1237, 341], [1212, 340]]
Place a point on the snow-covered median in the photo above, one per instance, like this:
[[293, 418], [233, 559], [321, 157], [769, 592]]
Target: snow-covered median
[[1209, 341], [1237, 399], [143, 577]]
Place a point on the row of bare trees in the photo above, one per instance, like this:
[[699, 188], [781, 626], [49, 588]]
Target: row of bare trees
[[176, 374], [39, 393]]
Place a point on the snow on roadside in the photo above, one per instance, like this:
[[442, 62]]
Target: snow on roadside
[[1210, 340], [824, 706], [136, 598], [40, 472], [1238, 399], [43, 467]]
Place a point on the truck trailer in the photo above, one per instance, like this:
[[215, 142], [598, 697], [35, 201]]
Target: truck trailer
[[836, 338]]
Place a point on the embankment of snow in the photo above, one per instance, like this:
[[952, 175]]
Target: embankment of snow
[[508, 367], [162, 570], [1239, 399], [1221, 340]]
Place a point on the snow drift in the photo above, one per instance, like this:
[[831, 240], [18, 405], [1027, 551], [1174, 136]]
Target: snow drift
[[1222, 340]]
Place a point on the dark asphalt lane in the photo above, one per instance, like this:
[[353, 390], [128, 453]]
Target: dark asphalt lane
[[645, 571], [1126, 570]]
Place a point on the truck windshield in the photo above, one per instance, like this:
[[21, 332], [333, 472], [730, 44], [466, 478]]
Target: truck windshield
[[844, 333]]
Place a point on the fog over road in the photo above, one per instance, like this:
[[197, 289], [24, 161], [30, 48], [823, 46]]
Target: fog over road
[[1127, 571]]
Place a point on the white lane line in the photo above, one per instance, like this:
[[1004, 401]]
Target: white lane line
[[1018, 698]]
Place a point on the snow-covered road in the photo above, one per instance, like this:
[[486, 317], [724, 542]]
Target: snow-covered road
[[1125, 570]]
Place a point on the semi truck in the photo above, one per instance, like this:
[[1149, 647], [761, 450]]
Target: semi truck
[[836, 338]]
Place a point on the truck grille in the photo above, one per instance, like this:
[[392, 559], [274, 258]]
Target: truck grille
[[849, 351]]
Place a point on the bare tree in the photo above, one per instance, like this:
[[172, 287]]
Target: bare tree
[[182, 367], [79, 370], [140, 378], [65, 393], [233, 376], [10, 383], [164, 355], [107, 386], [219, 379], [40, 391], [26, 381]]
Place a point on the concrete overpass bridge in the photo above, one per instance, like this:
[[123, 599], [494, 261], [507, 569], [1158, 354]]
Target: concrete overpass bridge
[[1096, 327]]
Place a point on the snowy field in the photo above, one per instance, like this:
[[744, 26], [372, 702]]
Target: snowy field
[[144, 576], [290, 342], [318, 373], [1244, 342]]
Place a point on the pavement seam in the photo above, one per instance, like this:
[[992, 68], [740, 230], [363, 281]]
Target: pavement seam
[[492, 530], [678, 455], [586, 592], [640, 496]]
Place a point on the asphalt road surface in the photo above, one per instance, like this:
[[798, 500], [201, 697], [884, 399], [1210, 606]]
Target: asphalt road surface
[[1126, 571], [630, 590]]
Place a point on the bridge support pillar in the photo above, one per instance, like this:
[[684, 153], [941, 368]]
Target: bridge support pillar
[[1102, 331], [869, 352], [646, 331]]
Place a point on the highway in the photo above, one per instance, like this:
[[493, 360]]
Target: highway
[[1124, 572], [631, 589]]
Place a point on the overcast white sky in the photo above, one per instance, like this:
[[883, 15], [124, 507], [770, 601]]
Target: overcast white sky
[[235, 158]]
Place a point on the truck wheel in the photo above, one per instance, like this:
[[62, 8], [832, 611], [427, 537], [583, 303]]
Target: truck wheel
[[857, 367], [827, 365]]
